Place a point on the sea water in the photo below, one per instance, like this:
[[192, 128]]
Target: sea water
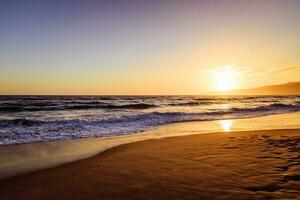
[[25, 119]]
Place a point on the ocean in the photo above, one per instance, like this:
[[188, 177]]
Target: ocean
[[25, 119]]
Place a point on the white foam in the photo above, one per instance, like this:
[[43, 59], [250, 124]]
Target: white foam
[[19, 131]]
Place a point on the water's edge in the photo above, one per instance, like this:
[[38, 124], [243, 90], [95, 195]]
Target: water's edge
[[38, 119]]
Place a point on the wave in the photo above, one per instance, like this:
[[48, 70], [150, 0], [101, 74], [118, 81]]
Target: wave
[[166, 117], [271, 107], [191, 103], [111, 106], [19, 123], [82, 106], [131, 106]]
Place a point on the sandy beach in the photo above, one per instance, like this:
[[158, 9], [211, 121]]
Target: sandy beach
[[238, 165]]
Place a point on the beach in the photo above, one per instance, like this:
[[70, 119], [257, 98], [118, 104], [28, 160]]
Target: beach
[[243, 165], [150, 100], [253, 164]]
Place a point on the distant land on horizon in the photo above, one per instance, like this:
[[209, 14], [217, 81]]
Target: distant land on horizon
[[291, 88]]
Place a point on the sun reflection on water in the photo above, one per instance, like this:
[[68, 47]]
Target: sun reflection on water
[[226, 124]]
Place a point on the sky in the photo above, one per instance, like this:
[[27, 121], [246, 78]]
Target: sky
[[141, 47]]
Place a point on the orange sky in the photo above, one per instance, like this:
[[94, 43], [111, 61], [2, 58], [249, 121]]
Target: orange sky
[[147, 47]]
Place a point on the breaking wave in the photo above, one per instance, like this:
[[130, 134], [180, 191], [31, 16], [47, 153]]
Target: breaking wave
[[45, 119]]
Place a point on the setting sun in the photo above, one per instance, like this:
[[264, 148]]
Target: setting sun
[[225, 78]]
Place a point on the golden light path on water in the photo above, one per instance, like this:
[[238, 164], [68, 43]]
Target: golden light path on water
[[226, 124]]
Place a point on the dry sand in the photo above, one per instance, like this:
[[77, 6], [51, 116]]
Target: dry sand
[[237, 165]]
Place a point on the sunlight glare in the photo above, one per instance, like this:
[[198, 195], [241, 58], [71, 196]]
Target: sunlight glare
[[224, 79], [226, 125]]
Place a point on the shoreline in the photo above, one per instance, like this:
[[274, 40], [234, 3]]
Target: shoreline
[[24, 158], [151, 130], [259, 164]]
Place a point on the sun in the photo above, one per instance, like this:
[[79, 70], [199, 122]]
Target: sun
[[225, 78]]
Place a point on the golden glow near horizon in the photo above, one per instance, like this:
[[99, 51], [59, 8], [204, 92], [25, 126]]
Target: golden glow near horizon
[[225, 78], [226, 124]]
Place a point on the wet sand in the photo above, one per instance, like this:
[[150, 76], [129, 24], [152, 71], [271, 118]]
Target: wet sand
[[234, 165]]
